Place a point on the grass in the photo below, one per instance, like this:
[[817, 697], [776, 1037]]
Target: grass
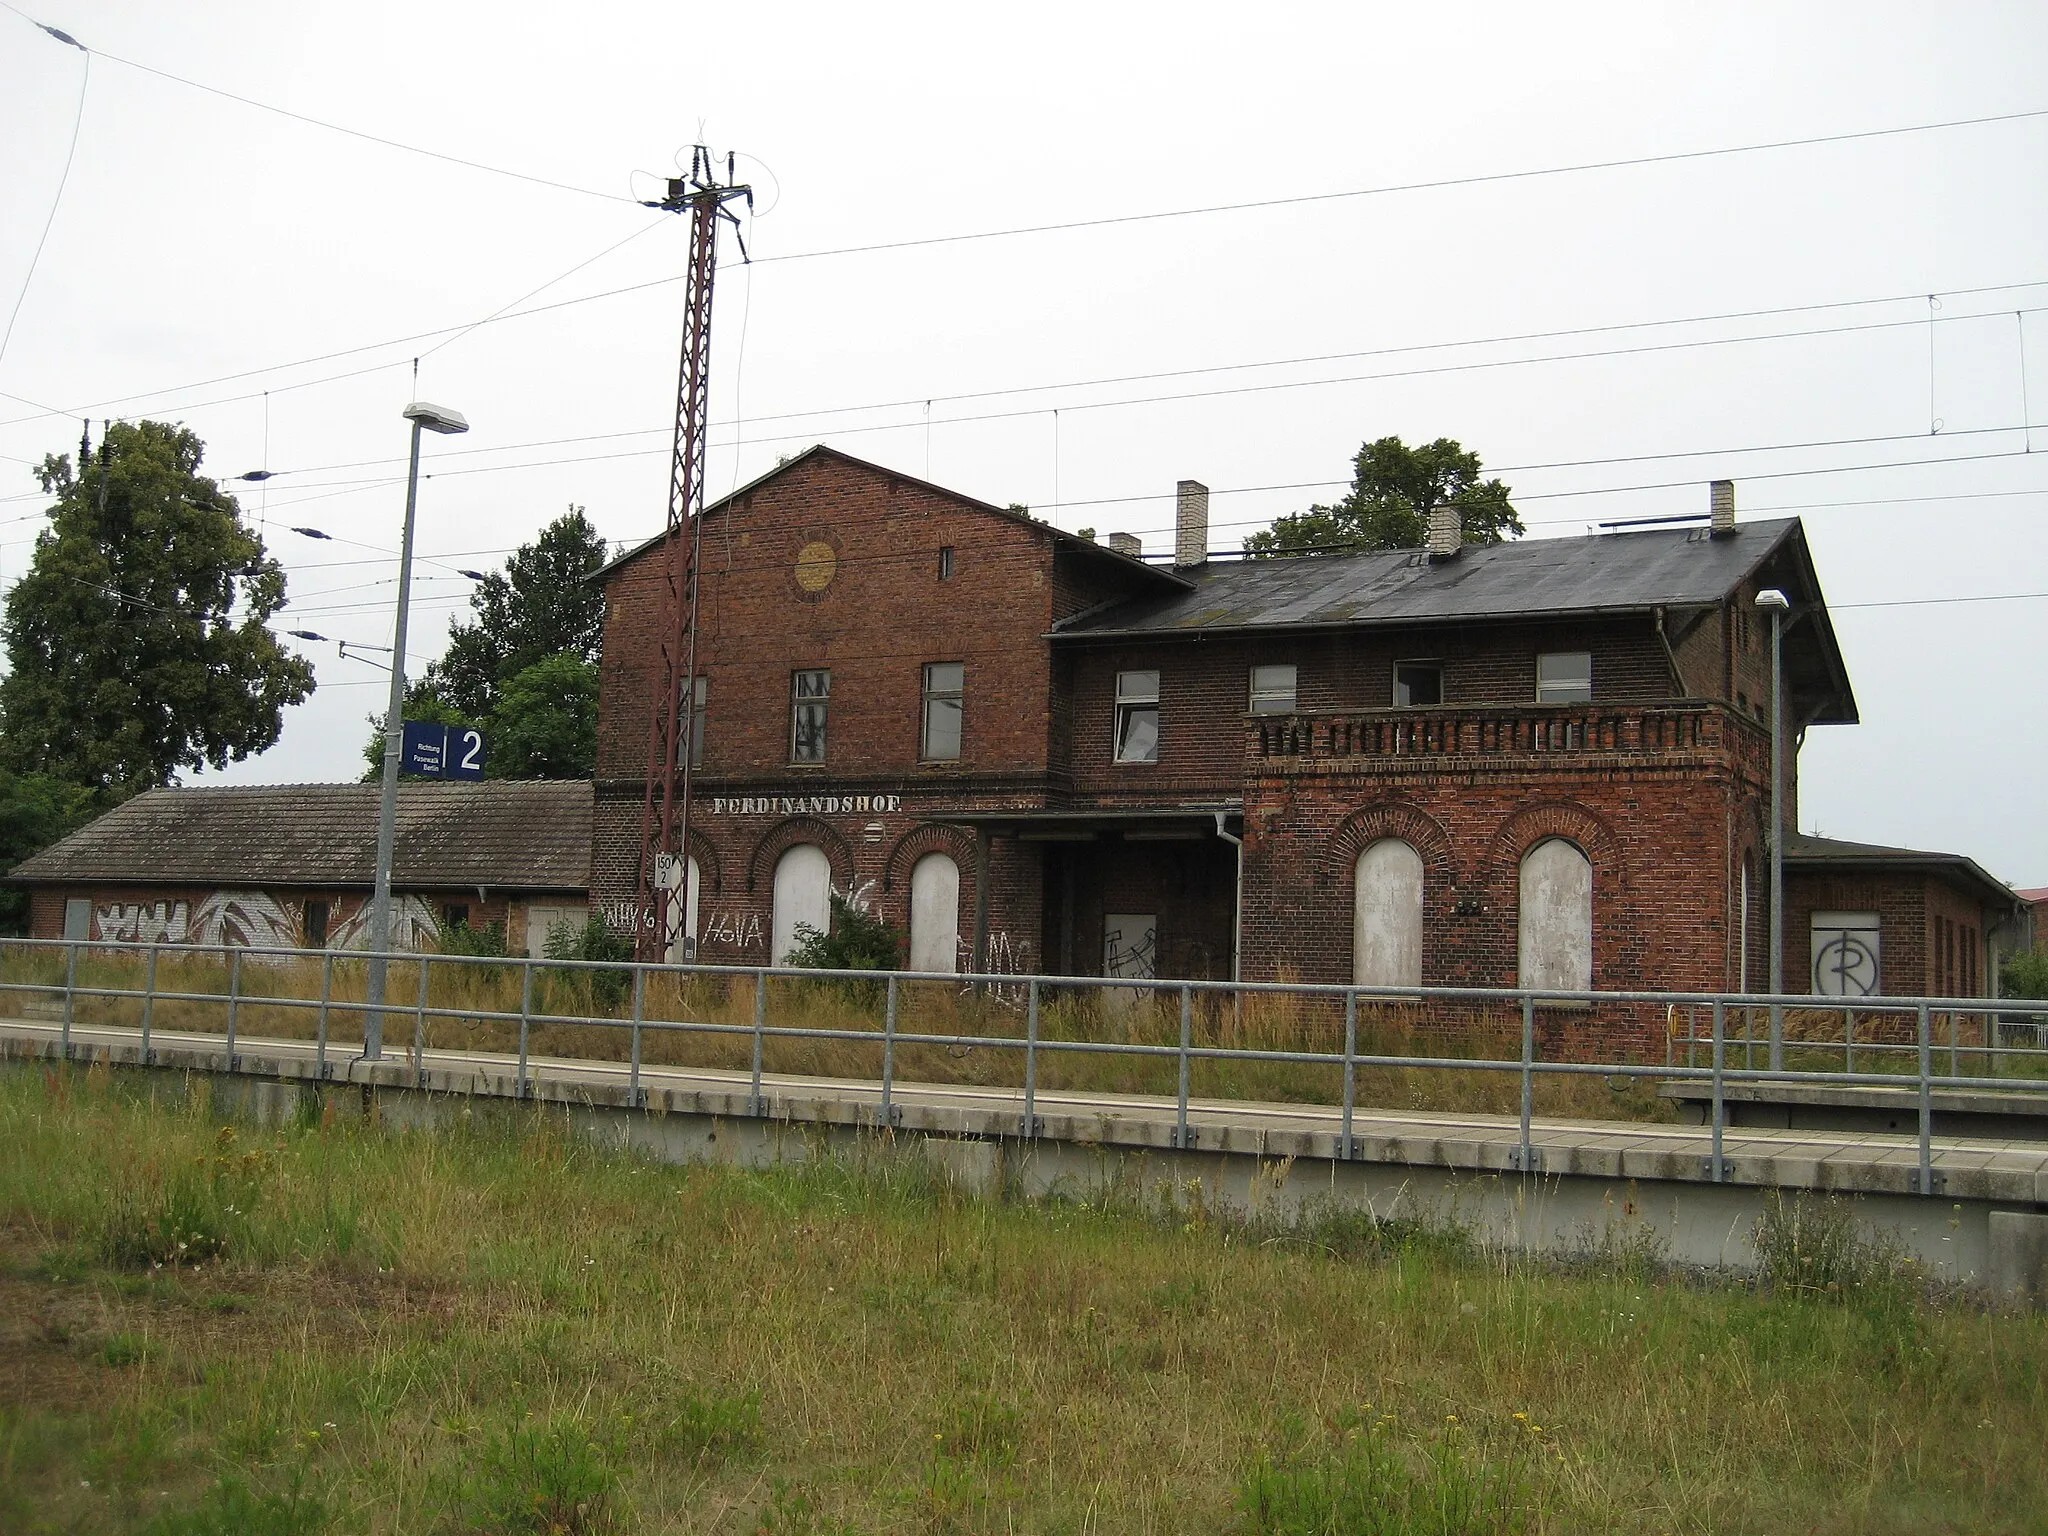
[[501, 1329]]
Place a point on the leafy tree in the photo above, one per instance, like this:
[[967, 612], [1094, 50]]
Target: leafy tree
[[36, 810], [524, 669], [545, 726], [138, 643], [541, 606], [1393, 490], [2025, 975]]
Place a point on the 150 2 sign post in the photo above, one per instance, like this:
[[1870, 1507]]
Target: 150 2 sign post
[[442, 751]]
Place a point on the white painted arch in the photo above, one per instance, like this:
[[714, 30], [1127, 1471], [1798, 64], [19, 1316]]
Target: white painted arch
[[803, 894], [935, 914], [1556, 917], [1386, 915]]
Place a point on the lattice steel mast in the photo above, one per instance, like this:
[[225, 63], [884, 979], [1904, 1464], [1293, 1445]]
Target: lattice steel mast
[[665, 814]]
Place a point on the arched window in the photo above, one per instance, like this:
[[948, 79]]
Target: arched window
[[935, 914], [685, 946], [1386, 916], [803, 894], [1557, 917]]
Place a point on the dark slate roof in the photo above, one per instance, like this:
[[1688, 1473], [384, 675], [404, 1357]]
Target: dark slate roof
[[1832, 854], [1603, 573], [1609, 573], [522, 834]]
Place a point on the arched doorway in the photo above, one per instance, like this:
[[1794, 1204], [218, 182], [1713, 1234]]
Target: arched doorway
[[803, 894], [935, 914], [1556, 904], [1386, 916]]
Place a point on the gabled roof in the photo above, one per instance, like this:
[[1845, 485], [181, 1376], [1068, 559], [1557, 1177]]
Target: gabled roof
[[521, 834], [1832, 854], [1070, 543], [1592, 575]]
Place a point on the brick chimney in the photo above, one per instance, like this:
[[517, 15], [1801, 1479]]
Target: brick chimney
[[1721, 507], [1125, 544], [1190, 523], [1446, 533]]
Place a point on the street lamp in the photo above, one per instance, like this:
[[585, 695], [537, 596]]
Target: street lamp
[[1777, 603], [430, 418]]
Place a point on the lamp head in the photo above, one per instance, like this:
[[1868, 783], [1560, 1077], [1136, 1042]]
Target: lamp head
[[1771, 597], [436, 418]]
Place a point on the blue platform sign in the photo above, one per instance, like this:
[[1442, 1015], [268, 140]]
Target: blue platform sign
[[442, 751]]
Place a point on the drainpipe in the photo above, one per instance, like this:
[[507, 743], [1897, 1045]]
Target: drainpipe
[[1664, 639], [1237, 899]]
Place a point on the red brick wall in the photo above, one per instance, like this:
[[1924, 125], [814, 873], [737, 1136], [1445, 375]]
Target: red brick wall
[[1923, 921]]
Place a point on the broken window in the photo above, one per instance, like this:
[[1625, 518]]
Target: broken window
[[694, 702], [1418, 683], [810, 694], [1137, 717]]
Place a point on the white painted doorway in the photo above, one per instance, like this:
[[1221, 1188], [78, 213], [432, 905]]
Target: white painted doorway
[[1556, 918], [1386, 919], [935, 914], [803, 894]]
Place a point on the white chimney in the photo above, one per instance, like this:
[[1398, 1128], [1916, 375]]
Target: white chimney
[[1446, 532], [1721, 505], [1126, 544], [1191, 523]]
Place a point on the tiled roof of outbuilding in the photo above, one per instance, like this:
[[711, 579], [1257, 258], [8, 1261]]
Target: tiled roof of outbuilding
[[521, 834], [1834, 855]]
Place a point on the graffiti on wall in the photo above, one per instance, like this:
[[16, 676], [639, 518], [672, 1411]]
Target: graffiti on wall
[[741, 930], [412, 927], [859, 895], [135, 922], [254, 919]]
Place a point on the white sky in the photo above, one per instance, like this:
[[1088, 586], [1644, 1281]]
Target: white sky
[[198, 238]]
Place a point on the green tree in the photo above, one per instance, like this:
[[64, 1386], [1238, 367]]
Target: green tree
[[35, 811], [523, 670], [139, 641], [545, 725], [1394, 488], [541, 605]]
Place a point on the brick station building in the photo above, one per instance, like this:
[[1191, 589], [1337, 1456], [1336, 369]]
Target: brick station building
[[1543, 761]]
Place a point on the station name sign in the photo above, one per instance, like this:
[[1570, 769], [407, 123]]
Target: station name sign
[[804, 805]]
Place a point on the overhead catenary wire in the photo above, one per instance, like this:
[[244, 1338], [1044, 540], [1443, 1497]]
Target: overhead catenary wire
[[317, 122], [57, 200]]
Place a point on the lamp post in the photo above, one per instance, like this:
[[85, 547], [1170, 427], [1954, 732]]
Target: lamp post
[[430, 418], [1777, 603]]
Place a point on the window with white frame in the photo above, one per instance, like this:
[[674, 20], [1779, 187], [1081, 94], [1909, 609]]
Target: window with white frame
[[1418, 683], [1273, 690], [1137, 717], [810, 696], [945, 683], [1564, 677]]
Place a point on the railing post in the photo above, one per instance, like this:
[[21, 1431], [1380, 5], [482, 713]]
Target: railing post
[[639, 1011], [760, 1031], [70, 994], [326, 995], [1525, 1154], [234, 1000], [1030, 1127], [1350, 1069], [1954, 1066], [149, 1005], [419, 1028], [525, 1023], [1848, 1039], [1187, 1040], [889, 1057], [1926, 1104], [1718, 1170]]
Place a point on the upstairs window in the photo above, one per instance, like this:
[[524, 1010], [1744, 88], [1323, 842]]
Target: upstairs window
[[1137, 717], [945, 562], [692, 726], [810, 695], [1418, 683], [1273, 690], [1564, 677], [944, 683]]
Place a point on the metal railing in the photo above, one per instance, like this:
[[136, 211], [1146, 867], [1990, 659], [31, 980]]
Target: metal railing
[[1906, 1035]]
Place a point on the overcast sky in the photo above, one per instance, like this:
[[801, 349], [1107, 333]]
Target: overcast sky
[[271, 280]]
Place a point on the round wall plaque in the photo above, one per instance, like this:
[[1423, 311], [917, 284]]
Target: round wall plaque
[[816, 564]]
